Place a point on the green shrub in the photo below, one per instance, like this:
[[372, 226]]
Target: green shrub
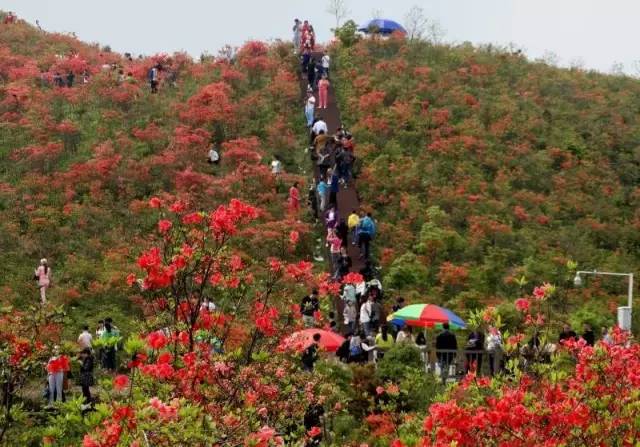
[[398, 362]]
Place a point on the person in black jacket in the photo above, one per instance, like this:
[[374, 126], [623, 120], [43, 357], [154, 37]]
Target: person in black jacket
[[589, 336], [86, 374], [308, 307], [313, 418], [310, 354], [475, 343], [342, 231], [567, 334], [446, 341]]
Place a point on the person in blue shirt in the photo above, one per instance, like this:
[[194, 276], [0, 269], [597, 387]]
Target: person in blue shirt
[[366, 233], [323, 192]]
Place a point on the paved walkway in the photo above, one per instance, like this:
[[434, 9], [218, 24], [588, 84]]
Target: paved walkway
[[347, 198]]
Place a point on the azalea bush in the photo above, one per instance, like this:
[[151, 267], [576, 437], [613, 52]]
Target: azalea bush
[[483, 168], [595, 404]]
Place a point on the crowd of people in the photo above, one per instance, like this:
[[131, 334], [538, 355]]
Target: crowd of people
[[58, 366]]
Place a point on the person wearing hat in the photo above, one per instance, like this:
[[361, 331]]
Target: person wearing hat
[[42, 274]]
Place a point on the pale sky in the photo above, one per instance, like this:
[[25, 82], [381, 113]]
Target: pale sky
[[599, 33]]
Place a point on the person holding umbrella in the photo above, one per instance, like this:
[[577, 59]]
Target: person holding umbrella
[[310, 354]]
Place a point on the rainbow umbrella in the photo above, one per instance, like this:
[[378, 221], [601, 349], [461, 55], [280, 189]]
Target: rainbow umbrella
[[425, 315], [329, 341]]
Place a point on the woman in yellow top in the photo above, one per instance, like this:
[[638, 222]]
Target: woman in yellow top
[[384, 341], [352, 223]]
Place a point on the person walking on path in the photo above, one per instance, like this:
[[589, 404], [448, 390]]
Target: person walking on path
[[309, 109], [352, 222], [323, 193], [334, 189], [331, 218], [294, 198], [318, 125], [350, 314], [310, 355], [366, 316], [323, 92], [312, 199], [324, 159], [319, 142], [86, 373], [57, 366], [42, 275], [85, 338], [308, 307], [334, 243], [326, 63], [366, 233], [109, 352], [296, 34], [342, 230], [311, 73]]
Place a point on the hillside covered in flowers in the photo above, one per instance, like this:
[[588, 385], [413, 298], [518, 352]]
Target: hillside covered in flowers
[[490, 173], [164, 200]]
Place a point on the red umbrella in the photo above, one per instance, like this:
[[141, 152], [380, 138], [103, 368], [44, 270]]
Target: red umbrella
[[329, 341]]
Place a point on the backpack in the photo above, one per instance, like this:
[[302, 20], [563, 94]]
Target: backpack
[[150, 74], [355, 350]]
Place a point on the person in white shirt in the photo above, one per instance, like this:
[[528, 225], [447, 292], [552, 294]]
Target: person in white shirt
[[326, 63], [350, 314], [309, 108], [214, 157], [276, 166], [320, 125], [85, 338], [404, 336], [208, 305], [366, 315]]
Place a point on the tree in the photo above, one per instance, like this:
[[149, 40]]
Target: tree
[[419, 26], [339, 10], [416, 22]]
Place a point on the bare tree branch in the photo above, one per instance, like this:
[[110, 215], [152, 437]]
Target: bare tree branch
[[339, 10]]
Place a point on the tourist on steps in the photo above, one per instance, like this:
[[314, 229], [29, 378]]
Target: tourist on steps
[[296, 34], [366, 233], [323, 91], [310, 108]]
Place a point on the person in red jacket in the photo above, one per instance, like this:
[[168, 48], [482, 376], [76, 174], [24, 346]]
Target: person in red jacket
[[9, 18], [57, 366]]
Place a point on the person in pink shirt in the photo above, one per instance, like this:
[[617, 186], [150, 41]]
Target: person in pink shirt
[[323, 91], [294, 198], [43, 275]]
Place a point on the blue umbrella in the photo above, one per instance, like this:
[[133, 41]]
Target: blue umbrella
[[382, 26]]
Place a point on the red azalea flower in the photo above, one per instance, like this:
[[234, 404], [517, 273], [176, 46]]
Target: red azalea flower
[[120, 382], [155, 202], [164, 226]]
